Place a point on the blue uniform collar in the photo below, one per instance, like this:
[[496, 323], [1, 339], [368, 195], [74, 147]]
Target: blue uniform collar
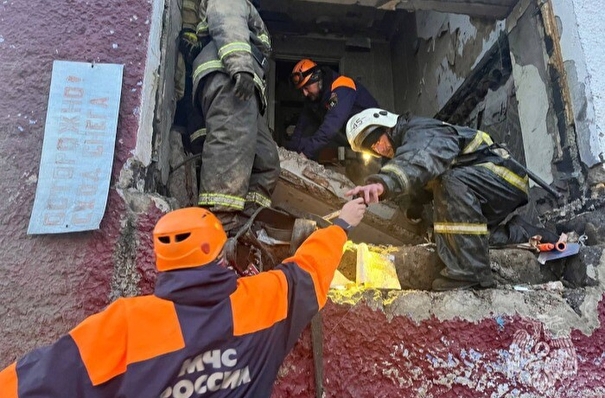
[[205, 285]]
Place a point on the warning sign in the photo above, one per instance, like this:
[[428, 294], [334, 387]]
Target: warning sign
[[78, 148]]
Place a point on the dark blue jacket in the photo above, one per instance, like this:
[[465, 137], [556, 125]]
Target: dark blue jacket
[[204, 333], [321, 123]]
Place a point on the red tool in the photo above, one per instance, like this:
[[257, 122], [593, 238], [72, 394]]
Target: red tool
[[545, 247]]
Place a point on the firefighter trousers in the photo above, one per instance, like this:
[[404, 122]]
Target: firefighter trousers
[[240, 162], [469, 202]]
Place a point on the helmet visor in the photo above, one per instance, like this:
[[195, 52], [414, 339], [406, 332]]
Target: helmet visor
[[298, 78], [368, 145]]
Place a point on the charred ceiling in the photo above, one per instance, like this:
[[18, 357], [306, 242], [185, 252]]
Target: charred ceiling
[[370, 18], [303, 18]]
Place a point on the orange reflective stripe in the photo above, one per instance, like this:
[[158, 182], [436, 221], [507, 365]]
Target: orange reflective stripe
[[259, 302], [343, 81], [8, 382], [128, 331], [320, 255]]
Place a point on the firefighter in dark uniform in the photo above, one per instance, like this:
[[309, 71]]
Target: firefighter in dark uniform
[[331, 99], [203, 333], [473, 186], [240, 163]]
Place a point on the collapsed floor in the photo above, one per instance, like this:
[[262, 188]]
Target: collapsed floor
[[537, 334], [308, 189]]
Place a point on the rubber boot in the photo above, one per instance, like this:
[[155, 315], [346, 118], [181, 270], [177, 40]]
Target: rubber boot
[[519, 230], [444, 284]]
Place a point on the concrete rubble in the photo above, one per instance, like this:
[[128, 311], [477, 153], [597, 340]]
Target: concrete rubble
[[569, 287]]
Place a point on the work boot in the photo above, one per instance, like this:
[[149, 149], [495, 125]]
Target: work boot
[[519, 230], [231, 221], [444, 284]]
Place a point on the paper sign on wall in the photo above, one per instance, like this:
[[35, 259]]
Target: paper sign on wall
[[78, 148]]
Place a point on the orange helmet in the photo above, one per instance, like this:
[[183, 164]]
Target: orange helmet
[[187, 238], [304, 72]]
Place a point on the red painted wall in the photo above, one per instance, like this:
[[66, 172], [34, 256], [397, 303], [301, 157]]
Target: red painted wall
[[366, 355]]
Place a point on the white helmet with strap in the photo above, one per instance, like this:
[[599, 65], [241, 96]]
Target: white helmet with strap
[[365, 122]]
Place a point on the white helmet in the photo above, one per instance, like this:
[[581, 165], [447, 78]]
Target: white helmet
[[365, 122]]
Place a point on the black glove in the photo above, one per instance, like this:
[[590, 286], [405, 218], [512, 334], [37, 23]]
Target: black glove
[[189, 45], [244, 85]]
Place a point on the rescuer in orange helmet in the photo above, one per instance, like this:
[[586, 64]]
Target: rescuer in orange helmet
[[330, 100], [201, 332]]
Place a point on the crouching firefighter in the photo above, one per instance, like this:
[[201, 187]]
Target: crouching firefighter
[[240, 162], [203, 333], [473, 186]]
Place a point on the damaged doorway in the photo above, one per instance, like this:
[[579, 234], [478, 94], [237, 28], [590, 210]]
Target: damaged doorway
[[449, 66], [401, 66]]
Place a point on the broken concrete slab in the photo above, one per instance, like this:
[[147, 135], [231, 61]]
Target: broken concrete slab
[[549, 307], [418, 265], [307, 187], [581, 270]]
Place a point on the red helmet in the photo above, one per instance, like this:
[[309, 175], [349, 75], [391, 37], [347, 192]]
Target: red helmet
[[305, 72], [187, 238]]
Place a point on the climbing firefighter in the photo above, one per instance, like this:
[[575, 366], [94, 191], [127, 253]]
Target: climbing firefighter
[[240, 163], [330, 100], [203, 333], [472, 185], [186, 115]]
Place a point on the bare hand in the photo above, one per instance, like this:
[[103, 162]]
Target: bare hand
[[370, 193], [352, 212]]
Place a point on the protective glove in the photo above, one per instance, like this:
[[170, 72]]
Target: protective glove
[[244, 85], [189, 45]]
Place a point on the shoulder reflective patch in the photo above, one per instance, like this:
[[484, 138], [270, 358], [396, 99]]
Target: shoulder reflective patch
[[8, 381], [128, 331], [343, 81], [259, 302]]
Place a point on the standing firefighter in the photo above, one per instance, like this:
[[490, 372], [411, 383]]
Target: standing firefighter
[[473, 188], [331, 99], [204, 333], [240, 163]]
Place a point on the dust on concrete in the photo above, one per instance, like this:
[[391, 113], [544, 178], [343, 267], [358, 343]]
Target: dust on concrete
[[560, 310]]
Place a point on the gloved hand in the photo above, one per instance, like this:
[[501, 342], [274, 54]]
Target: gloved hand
[[244, 85], [189, 45]]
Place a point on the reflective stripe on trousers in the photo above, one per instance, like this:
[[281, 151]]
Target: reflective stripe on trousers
[[468, 202]]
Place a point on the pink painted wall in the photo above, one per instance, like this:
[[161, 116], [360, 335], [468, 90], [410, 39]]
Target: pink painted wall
[[50, 283]]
